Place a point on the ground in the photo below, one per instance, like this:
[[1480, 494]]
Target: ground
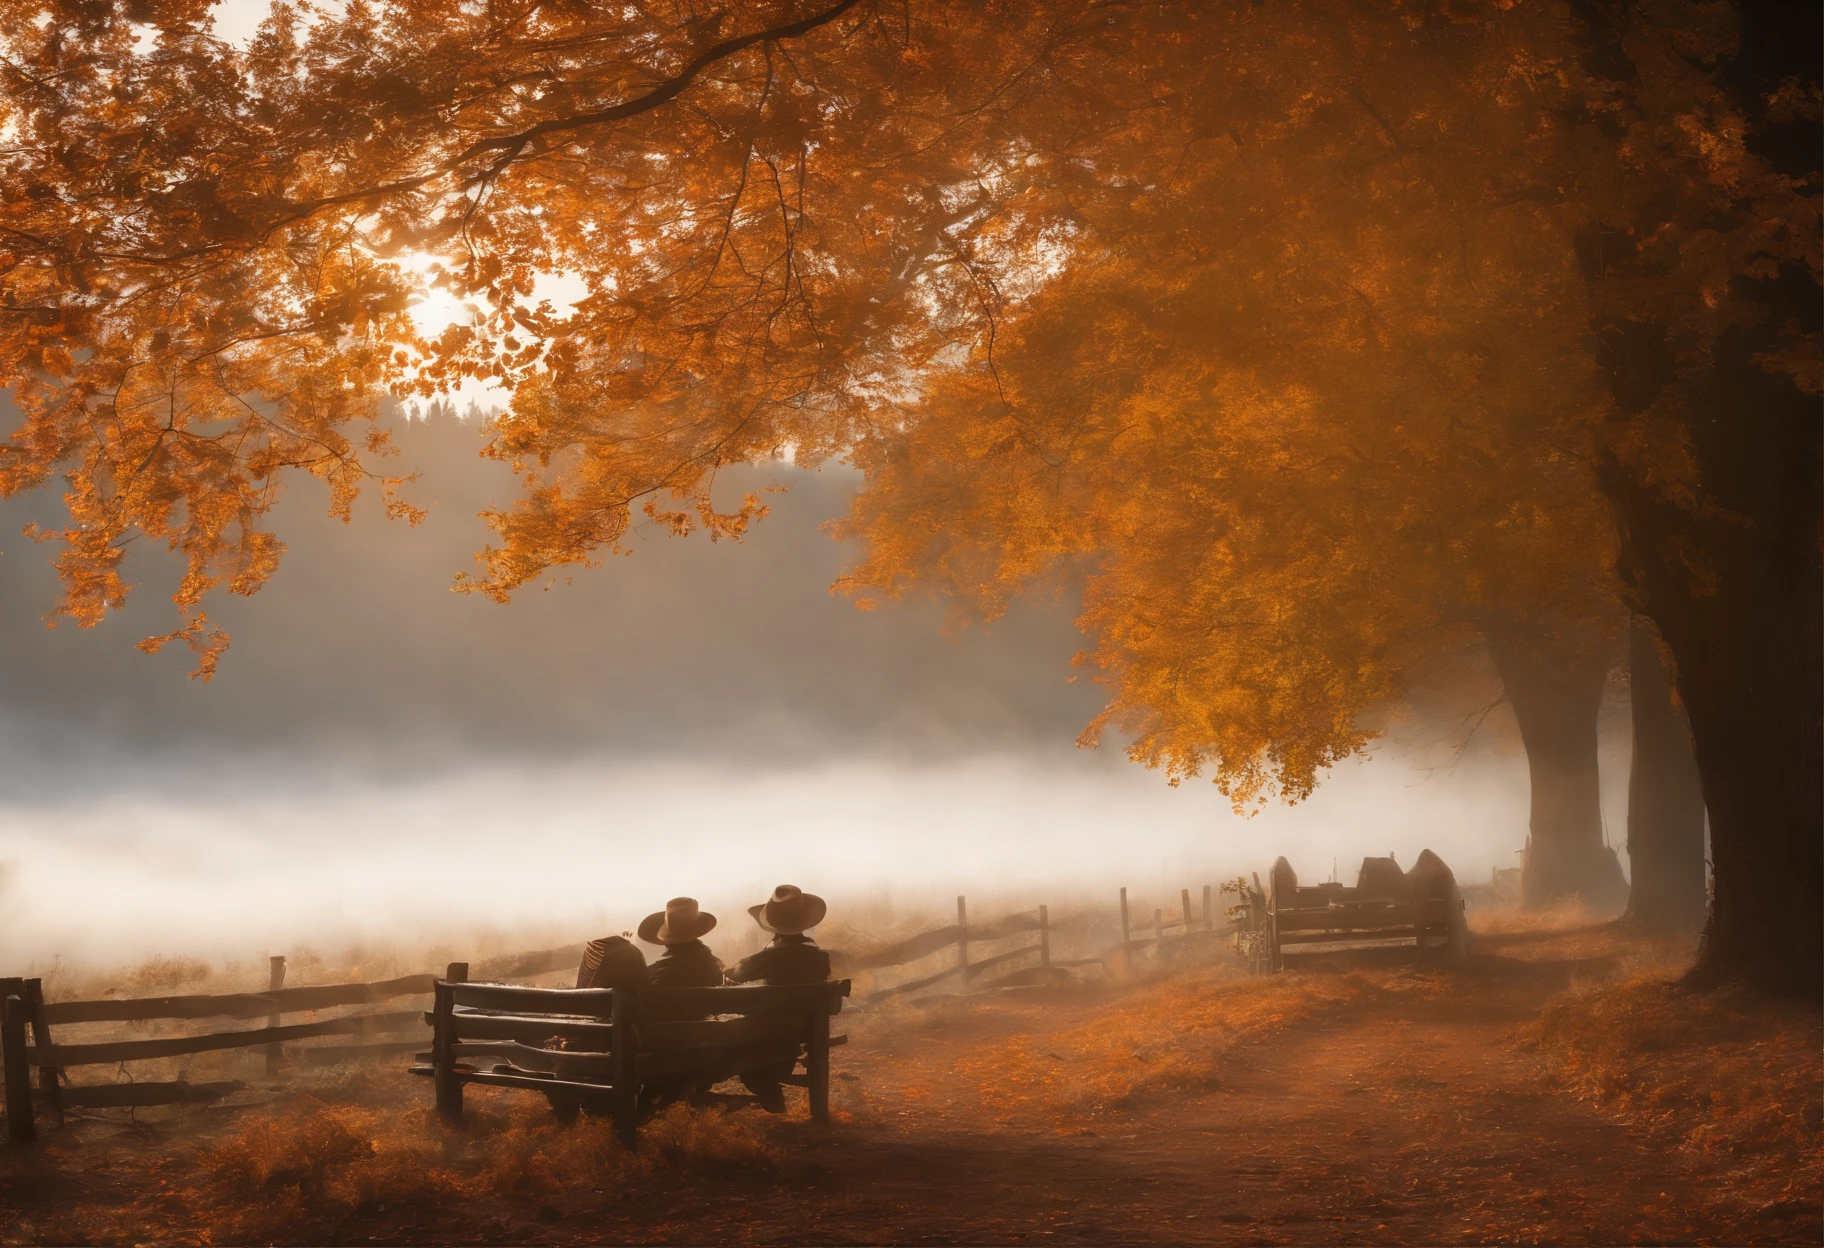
[[1556, 1089]]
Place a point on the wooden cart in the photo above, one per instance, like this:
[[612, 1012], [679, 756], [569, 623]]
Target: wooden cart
[[1387, 906]]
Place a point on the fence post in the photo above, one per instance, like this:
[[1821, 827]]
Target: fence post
[[275, 981], [1184, 909], [1209, 910], [1044, 937], [443, 1061], [962, 941], [1127, 951], [1158, 929], [49, 1077], [19, 1126]]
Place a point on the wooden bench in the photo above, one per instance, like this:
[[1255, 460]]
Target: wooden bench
[[620, 1039], [1387, 905]]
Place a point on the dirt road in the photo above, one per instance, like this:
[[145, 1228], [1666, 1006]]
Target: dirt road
[[1358, 1105], [1399, 1118]]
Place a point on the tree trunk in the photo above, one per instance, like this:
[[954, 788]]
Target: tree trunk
[[1667, 890], [1555, 690], [1729, 567], [1750, 671]]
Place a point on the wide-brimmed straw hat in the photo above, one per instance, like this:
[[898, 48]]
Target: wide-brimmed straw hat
[[678, 922], [790, 911]]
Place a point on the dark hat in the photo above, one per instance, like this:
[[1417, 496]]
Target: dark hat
[[789, 911], [678, 922]]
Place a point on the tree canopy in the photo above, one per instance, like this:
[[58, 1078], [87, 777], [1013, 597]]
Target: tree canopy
[[1317, 400], [1301, 332]]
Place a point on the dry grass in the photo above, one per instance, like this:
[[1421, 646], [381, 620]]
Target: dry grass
[[1728, 1074], [319, 1157], [1514, 920]]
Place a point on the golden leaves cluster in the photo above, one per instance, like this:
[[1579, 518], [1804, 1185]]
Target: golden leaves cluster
[[775, 210], [1315, 402]]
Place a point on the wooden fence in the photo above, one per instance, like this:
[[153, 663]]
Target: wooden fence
[[26, 1042], [373, 1034], [960, 936]]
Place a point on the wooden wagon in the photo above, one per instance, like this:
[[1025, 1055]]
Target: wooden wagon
[[1387, 906]]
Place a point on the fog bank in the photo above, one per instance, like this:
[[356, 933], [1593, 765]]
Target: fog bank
[[520, 857]]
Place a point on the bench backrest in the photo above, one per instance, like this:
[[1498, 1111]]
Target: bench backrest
[[665, 1019], [655, 1004]]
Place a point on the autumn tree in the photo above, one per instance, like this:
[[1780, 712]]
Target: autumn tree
[[1679, 167], [1295, 452], [776, 210], [1701, 247]]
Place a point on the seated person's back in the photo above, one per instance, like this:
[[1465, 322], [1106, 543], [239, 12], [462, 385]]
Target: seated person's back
[[687, 961], [792, 957], [611, 962]]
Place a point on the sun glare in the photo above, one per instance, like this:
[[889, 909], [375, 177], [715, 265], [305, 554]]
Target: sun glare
[[436, 308]]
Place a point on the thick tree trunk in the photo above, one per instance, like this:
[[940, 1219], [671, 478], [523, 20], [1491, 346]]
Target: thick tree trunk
[[1731, 573], [1555, 691], [1666, 890], [1750, 671]]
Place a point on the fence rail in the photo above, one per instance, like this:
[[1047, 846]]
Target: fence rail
[[28, 1014], [961, 935], [234, 1005]]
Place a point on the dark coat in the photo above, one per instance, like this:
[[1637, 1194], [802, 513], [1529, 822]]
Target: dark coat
[[611, 962], [686, 965], [788, 960]]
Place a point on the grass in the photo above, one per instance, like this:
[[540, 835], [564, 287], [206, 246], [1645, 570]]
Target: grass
[[1728, 1074], [358, 1149], [1515, 920]]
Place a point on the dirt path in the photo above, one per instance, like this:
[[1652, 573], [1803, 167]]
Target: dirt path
[[1391, 1122], [1397, 1109]]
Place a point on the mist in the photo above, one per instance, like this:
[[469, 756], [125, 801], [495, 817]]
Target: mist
[[553, 854], [382, 761]]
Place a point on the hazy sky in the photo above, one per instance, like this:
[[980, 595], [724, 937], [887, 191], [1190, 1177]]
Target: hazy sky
[[358, 650]]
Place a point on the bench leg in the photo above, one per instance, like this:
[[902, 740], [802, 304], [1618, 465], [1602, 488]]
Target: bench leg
[[817, 1067], [626, 1096], [443, 1036], [565, 1107]]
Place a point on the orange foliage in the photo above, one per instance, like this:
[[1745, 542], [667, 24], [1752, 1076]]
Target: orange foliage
[[1273, 317], [778, 212], [1733, 1074], [1301, 414]]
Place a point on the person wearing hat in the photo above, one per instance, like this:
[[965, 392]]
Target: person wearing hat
[[687, 961], [792, 957]]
